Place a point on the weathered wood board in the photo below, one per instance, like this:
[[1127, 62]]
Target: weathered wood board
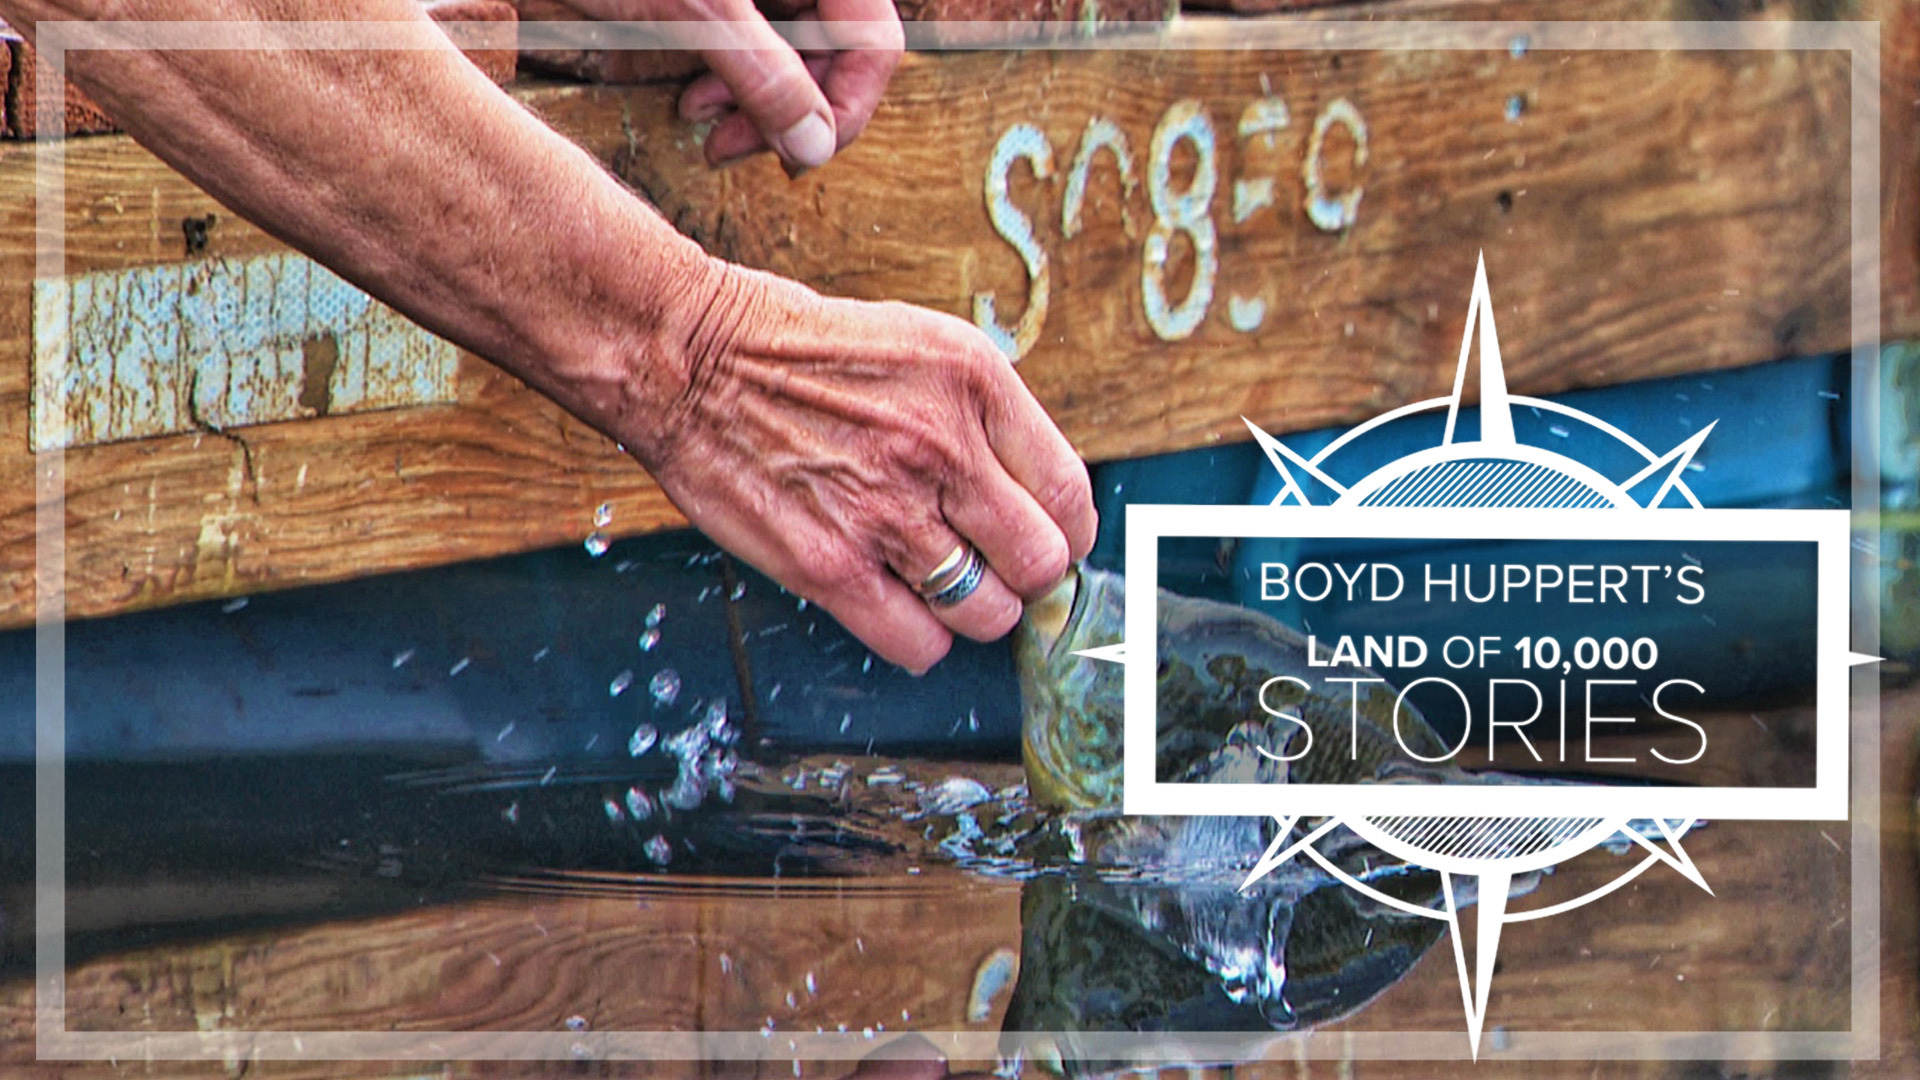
[[1768, 952], [1641, 214], [667, 65], [20, 71]]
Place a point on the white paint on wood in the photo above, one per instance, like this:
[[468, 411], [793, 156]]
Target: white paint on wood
[[1188, 212], [1333, 212], [1246, 313], [1101, 133], [1022, 142], [219, 343], [1260, 119]]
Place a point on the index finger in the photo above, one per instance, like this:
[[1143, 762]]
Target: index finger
[[870, 42], [1038, 456]]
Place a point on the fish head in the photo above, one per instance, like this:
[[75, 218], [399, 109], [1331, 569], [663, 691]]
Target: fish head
[[1214, 662], [1071, 706]]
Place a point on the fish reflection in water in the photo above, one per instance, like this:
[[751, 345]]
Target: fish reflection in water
[[1120, 956], [1147, 929], [1128, 924]]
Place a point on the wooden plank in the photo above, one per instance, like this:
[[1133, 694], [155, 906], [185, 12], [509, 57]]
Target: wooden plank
[[1644, 214], [662, 65], [1769, 951], [1637, 219], [20, 77], [500, 469]]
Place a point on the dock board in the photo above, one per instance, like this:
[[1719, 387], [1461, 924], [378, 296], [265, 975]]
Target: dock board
[[1293, 242], [1768, 952]]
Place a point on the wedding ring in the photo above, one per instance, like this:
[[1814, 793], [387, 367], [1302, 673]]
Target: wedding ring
[[955, 579]]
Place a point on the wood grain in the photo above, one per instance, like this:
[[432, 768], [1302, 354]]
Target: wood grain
[[20, 75], [627, 66], [1767, 952], [1646, 214]]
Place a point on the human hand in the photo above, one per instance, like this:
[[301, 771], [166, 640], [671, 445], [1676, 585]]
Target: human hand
[[761, 92], [846, 448]]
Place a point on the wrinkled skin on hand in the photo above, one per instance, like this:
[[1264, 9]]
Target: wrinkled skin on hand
[[844, 448]]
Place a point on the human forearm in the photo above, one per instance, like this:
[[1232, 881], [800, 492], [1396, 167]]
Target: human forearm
[[409, 173], [847, 449]]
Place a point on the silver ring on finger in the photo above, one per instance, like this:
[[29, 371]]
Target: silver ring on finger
[[955, 579]]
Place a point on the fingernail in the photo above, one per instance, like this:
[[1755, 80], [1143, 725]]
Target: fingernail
[[807, 144]]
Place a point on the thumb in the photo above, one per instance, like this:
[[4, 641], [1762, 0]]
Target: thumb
[[773, 89]]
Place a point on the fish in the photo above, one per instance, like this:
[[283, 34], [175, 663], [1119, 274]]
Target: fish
[[1213, 658], [1143, 924]]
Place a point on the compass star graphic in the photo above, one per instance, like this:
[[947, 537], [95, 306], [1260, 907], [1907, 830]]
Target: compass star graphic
[[1495, 470], [1480, 832]]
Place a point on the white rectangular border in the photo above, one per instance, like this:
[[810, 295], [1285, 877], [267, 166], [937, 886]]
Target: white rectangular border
[[1859, 40], [1145, 793]]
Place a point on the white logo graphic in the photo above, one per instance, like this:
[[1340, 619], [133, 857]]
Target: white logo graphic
[[1491, 487]]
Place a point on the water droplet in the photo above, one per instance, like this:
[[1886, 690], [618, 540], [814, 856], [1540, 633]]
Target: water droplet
[[620, 683], [726, 964], [234, 605], [614, 813], [802, 605], [642, 739], [512, 813], [552, 771], [687, 792], [603, 515], [659, 612], [639, 807], [812, 986], [459, 666], [665, 687], [541, 653], [718, 728], [739, 590], [954, 794], [649, 638], [596, 544], [773, 695], [659, 850], [400, 658], [504, 732], [973, 720], [866, 1033], [1518, 47], [1516, 105], [1559, 432], [576, 1023], [867, 664], [845, 723]]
